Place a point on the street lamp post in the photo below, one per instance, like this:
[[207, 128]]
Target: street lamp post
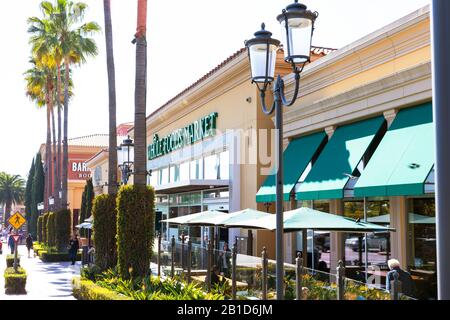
[[125, 159], [298, 26]]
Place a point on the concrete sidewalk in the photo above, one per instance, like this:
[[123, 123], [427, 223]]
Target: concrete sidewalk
[[45, 281]]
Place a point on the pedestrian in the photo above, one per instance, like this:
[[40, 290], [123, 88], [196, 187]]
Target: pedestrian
[[224, 262], [29, 244], [405, 279], [11, 243], [74, 245]]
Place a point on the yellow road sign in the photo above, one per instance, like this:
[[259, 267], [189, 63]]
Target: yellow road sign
[[16, 220]]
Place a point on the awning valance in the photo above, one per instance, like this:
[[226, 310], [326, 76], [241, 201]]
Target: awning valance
[[404, 159], [296, 158], [341, 156]]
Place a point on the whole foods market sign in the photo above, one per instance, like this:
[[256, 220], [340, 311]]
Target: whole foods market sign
[[197, 131]]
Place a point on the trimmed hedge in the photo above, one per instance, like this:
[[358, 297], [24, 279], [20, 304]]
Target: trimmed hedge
[[39, 228], [51, 230], [135, 230], [88, 290], [44, 227], [104, 231], [62, 228], [10, 261], [15, 282], [46, 256]]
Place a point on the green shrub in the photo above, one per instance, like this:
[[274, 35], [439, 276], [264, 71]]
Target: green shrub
[[90, 272], [39, 228], [44, 227], [51, 230], [62, 229], [46, 256], [87, 290], [10, 261], [135, 230], [104, 231], [15, 282]]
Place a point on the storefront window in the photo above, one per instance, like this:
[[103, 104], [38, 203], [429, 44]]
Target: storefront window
[[224, 165], [378, 244], [174, 173], [211, 167], [422, 240], [184, 171], [154, 178], [196, 169], [164, 176]]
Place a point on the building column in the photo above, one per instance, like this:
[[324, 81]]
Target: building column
[[337, 244], [399, 221]]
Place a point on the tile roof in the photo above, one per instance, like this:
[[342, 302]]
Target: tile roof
[[93, 140]]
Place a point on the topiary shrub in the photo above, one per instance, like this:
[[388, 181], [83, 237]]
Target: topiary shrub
[[46, 256], [39, 229], [15, 282], [10, 261], [51, 230], [62, 229], [104, 231], [135, 230], [44, 228]]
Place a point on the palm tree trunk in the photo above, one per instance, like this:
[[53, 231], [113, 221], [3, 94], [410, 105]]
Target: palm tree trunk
[[54, 171], [58, 88], [65, 164], [140, 132], [48, 160], [112, 159], [8, 205]]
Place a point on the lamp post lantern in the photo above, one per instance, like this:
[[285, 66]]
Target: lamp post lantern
[[126, 159], [298, 26]]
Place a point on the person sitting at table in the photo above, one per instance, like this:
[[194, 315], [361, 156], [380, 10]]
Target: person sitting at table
[[215, 278], [407, 283]]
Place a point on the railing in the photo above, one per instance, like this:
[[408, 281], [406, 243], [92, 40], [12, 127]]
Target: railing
[[248, 277]]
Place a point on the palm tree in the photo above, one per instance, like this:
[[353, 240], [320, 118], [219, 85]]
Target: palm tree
[[40, 88], [112, 159], [140, 134], [12, 190], [64, 37]]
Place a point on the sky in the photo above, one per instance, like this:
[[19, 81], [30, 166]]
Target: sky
[[186, 39]]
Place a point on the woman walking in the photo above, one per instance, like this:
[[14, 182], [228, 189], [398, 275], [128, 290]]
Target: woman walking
[[29, 244]]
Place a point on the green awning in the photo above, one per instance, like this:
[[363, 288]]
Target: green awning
[[404, 158], [340, 158], [296, 158]]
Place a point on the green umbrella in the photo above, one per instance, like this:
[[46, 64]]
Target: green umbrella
[[305, 218], [235, 217], [191, 218]]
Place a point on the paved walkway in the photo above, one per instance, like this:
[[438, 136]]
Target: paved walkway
[[45, 281]]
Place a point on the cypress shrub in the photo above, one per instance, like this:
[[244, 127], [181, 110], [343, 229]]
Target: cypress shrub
[[51, 232], [15, 282], [104, 231], [39, 229], [62, 229], [135, 230], [37, 193], [82, 215], [44, 228]]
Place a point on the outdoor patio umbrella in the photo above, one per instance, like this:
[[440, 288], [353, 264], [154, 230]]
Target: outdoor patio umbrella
[[90, 219], [235, 217], [191, 219], [84, 225], [414, 218], [305, 218]]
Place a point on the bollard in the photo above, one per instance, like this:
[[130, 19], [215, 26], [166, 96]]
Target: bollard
[[172, 268], [159, 254], [183, 237], [340, 280], [208, 270], [189, 260], [395, 287], [264, 274], [233, 271], [298, 275]]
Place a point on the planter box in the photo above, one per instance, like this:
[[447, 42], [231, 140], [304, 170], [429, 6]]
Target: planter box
[[15, 282], [10, 261]]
